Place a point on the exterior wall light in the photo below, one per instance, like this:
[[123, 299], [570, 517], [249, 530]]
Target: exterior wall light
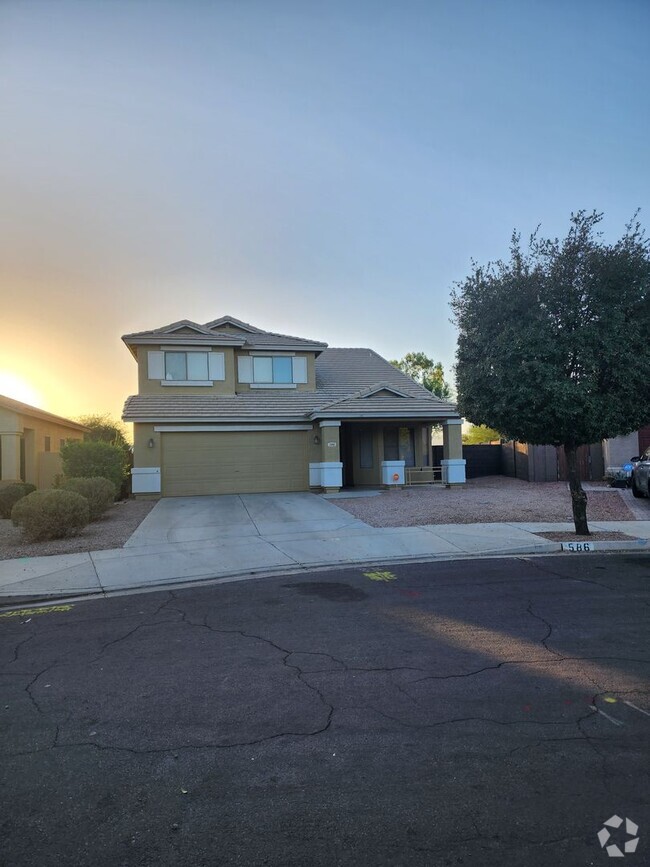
[[151, 443], [316, 440]]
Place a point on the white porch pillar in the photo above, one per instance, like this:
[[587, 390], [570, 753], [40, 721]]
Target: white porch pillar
[[453, 465], [328, 473]]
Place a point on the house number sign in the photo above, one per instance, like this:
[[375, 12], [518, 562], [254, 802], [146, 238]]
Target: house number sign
[[331, 445], [578, 547]]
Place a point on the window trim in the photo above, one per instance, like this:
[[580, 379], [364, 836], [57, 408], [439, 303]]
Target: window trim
[[215, 366], [246, 369]]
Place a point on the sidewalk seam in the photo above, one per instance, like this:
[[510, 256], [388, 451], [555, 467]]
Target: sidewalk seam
[[99, 580]]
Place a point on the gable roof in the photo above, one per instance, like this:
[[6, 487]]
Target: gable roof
[[230, 320], [255, 337], [242, 335], [21, 408], [182, 332]]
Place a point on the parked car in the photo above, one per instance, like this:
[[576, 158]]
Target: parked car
[[641, 474]]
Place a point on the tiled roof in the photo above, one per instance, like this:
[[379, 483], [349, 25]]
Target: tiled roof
[[249, 335], [349, 383], [25, 409], [252, 405], [254, 336], [178, 332], [269, 338], [230, 320]]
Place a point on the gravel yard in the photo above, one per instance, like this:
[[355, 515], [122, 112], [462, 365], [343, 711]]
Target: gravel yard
[[485, 500], [111, 531]]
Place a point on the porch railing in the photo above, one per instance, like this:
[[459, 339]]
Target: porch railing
[[423, 475]]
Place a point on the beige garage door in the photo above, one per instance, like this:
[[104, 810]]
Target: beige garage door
[[234, 463]]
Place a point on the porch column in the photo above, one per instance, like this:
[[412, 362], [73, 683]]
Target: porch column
[[331, 468], [10, 446], [453, 465]]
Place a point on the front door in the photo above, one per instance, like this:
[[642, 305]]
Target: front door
[[399, 445]]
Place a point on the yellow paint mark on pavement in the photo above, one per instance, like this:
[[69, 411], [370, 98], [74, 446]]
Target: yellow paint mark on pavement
[[380, 576], [610, 700], [30, 612]]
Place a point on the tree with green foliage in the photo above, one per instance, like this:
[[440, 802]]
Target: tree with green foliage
[[479, 433], [104, 429], [554, 344], [426, 372], [90, 459]]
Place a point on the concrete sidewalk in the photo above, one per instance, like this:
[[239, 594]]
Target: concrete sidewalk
[[139, 566]]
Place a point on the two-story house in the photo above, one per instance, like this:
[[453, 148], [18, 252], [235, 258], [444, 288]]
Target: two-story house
[[227, 407]]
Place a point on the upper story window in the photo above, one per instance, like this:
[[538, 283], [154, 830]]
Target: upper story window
[[185, 366], [272, 370], [48, 444], [173, 367]]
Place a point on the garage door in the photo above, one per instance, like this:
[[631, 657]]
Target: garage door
[[234, 463]]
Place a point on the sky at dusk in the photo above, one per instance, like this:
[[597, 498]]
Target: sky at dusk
[[323, 169]]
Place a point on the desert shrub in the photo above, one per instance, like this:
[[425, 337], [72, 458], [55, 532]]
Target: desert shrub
[[91, 459], [50, 514], [99, 492], [10, 495]]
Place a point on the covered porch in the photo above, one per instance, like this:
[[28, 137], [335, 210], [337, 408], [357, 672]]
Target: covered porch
[[386, 452]]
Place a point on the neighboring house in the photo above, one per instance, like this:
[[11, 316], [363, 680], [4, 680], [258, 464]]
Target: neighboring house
[[619, 450], [228, 408], [30, 441]]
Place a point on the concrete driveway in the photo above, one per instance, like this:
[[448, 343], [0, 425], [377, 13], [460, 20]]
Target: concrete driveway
[[198, 538], [213, 519]]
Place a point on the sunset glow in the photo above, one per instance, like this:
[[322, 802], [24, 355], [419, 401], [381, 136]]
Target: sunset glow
[[18, 388], [327, 170]]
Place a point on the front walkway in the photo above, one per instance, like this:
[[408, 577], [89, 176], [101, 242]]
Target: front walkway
[[200, 538]]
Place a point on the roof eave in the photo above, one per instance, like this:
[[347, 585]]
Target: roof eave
[[238, 419], [437, 415], [287, 347], [183, 339]]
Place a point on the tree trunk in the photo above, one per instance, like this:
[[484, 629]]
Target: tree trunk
[[578, 496]]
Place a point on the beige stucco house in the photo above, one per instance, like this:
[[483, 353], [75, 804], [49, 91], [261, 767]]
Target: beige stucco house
[[227, 407], [30, 440]]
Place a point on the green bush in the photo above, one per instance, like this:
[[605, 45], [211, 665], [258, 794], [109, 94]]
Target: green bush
[[91, 459], [10, 495], [99, 492], [50, 514]]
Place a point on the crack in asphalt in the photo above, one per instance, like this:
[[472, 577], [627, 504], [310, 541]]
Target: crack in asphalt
[[557, 660], [302, 676], [32, 682], [135, 629], [455, 720], [533, 744], [18, 646], [548, 625]]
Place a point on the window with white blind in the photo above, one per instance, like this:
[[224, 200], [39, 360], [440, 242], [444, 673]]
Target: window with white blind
[[272, 370], [186, 368]]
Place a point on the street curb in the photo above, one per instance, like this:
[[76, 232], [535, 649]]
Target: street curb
[[9, 602]]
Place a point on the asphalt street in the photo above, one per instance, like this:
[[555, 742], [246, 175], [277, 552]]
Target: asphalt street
[[487, 712]]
